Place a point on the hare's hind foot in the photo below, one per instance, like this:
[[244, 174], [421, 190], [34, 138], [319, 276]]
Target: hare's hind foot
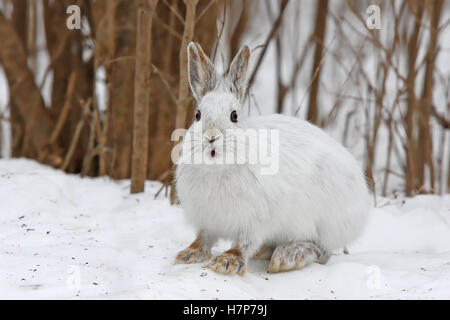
[[296, 255]]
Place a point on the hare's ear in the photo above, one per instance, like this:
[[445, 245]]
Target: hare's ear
[[238, 72], [202, 75]]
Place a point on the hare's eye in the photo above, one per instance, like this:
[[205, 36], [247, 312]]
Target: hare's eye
[[198, 115], [234, 117]]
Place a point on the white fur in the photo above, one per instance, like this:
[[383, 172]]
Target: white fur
[[318, 194]]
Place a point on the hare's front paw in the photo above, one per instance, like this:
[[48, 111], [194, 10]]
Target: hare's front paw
[[229, 262], [190, 256]]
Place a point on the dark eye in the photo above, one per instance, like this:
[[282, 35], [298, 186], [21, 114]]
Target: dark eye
[[198, 115], [234, 117]]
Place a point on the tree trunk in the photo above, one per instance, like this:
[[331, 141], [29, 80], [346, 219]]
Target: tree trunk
[[413, 45], [184, 96], [318, 38], [141, 97], [120, 76], [424, 143], [37, 120], [18, 19]]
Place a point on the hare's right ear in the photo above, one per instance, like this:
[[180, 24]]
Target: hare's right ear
[[202, 74]]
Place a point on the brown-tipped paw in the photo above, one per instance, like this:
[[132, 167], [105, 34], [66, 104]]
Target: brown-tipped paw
[[295, 256], [190, 256], [282, 260], [228, 263]]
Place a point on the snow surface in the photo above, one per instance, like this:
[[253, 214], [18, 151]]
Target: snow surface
[[67, 237]]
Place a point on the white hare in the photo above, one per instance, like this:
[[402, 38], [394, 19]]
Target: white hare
[[316, 202]]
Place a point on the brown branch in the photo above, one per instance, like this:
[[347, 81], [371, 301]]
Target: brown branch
[[166, 83], [91, 150], [76, 137], [174, 10], [205, 10], [37, 120], [220, 31], [188, 34], [318, 38], [445, 123], [62, 117], [271, 35], [169, 28], [314, 77], [65, 110], [139, 156]]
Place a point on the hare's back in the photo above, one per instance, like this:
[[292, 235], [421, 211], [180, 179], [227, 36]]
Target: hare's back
[[308, 152], [319, 183], [299, 137]]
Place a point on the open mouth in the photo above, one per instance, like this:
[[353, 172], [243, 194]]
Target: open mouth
[[213, 153]]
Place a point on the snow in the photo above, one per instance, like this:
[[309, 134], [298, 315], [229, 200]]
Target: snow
[[67, 237]]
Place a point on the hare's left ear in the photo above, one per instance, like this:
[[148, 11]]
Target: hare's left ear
[[201, 71], [238, 72]]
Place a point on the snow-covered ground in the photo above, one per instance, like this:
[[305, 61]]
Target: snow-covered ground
[[66, 237]]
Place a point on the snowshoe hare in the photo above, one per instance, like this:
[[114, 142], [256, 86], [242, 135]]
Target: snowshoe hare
[[315, 201]]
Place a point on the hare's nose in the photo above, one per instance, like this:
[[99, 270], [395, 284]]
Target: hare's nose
[[212, 135]]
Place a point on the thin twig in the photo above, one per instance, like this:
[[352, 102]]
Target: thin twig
[[86, 107], [174, 11], [271, 35], [200, 16], [314, 77]]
